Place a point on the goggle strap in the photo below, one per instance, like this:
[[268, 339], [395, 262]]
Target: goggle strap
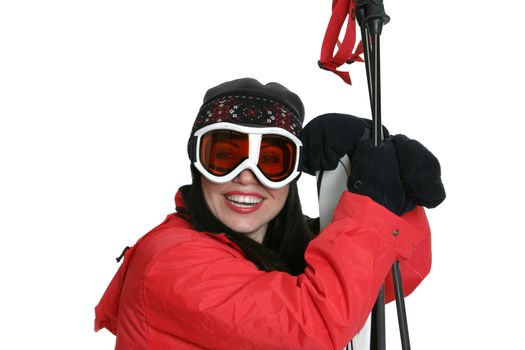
[[193, 149]]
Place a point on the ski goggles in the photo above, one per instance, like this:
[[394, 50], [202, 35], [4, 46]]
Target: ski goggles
[[221, 151]]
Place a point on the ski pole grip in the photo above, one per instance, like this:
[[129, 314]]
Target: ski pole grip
[[376, 16]]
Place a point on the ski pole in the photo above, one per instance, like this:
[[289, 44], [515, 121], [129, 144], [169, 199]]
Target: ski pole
[[371, 16], [378, 339], [376, 17], [373, 12], [371, 27], [400, 305]]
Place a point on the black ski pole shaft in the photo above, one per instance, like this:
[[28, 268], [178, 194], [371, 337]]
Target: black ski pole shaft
[[378, 331], [376, 18], [373, 13], [376, 90], [400, 305], [378, 313]]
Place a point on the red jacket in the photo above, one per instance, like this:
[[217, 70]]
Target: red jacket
[[183, 289]]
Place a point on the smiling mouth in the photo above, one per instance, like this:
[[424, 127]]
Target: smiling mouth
[[244, 201]]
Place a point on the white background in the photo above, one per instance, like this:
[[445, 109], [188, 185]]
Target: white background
[[97, 99]]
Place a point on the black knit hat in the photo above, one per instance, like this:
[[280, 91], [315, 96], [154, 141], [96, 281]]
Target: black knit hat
[[248, 102]]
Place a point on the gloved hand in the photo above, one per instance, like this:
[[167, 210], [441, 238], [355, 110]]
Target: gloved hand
[[329, 137], [397, 174]]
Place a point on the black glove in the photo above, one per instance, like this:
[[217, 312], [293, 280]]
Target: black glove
[[397, 174], [329, 137]]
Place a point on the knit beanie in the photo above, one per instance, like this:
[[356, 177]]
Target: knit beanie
[[248, 102]]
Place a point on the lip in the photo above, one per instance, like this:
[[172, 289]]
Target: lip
[[243, 210]]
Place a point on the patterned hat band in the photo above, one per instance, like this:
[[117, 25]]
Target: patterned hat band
[[247, 110]]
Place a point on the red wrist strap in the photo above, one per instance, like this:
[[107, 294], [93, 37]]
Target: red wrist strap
[[341, 9]]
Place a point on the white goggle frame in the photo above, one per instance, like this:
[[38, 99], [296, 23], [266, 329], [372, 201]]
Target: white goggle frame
[[254, 142]]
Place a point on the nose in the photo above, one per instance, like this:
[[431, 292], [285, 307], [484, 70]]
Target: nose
[[246, 177]]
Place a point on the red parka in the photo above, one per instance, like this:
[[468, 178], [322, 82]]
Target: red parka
[[182, 289]]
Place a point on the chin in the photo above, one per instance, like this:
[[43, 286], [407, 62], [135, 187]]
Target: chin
[[242, 227]]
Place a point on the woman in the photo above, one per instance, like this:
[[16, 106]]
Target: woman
[[236, 267]]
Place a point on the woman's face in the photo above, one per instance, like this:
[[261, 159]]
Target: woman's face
[[243, 204]]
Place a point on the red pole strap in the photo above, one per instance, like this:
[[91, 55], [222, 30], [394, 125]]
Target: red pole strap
[[341, 10]]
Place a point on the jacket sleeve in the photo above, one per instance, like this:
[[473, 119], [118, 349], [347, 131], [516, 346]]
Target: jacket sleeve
[[212, 297], [417, 267]]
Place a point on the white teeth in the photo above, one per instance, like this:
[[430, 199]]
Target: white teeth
[[246, 200]]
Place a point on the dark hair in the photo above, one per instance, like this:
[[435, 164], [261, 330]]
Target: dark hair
[[285, 241]]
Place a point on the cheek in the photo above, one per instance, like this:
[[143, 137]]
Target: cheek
[[210, 192], [280, 196]]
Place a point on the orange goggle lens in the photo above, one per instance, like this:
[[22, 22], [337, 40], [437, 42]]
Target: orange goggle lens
[[221, 151]]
